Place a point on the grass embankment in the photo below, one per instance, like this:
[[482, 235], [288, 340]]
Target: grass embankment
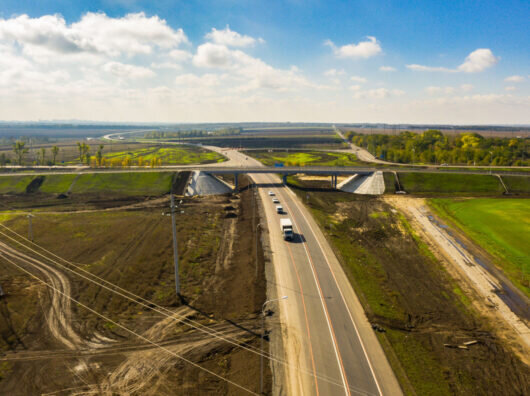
[[168, 155], [147, 183], [517, 184], [408, 293], [500, 226], [126, 184], [56, 184], [304, 158], [443, 183], [14, 184]]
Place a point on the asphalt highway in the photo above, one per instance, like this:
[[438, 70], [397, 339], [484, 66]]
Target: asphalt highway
[[326, 337]]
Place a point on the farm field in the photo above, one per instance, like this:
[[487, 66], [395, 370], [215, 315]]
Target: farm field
[[166, 155], [132, 249], [415, 303], [274, 139], [304, 158], [118, 151], [500, 226]]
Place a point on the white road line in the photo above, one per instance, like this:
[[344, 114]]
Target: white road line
[[342, 296], [328, 320]]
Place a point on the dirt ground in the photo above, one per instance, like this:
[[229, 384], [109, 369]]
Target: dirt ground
[[419, 312], [50, 344]]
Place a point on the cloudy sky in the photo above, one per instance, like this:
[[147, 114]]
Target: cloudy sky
[[248, 60]]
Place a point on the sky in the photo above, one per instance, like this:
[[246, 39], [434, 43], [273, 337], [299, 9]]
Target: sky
[[422, 61]]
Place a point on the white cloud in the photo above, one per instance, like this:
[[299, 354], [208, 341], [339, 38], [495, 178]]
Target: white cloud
[[95, 33], [166, 65], [355, 87], [363, 49], [434, 90], [230, 38], [334, 73], [180, 55], [477, 61], [378, 93], [214, 55], [254, 72], [429, 68], [510, 88], [191, 80], [514, 79], [387, 69], [127, 71], [358, 79], [447, 90]]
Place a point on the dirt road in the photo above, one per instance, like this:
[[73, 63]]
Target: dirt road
[[478, 278]]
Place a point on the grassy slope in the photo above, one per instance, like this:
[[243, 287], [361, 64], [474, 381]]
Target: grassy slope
[[500, 226], [450, 183], [14, 184], [517, 184], [57, 184], [305, 158], [149, 183]]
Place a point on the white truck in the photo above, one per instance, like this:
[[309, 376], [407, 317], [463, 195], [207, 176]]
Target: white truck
[[287, 229]]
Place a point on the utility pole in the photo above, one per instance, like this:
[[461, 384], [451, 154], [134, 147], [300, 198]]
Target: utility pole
[[175, 249]]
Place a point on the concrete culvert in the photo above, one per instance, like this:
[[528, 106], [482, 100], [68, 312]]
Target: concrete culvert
[[203, 183], [373, 184]]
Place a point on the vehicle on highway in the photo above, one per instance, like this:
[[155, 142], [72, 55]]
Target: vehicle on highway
[[287, 229], [271, 194], [279, 209], [275, 200]]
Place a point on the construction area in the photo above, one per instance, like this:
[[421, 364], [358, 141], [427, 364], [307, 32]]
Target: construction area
[[89, 303]]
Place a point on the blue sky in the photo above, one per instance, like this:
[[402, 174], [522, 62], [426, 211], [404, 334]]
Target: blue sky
[[343, 61]]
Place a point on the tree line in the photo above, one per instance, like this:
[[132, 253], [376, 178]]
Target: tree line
[[433, 147]]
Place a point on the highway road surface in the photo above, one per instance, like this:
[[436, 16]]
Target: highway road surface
[[327, 339]]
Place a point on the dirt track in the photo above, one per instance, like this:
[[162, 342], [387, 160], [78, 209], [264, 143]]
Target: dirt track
[[89, 355]]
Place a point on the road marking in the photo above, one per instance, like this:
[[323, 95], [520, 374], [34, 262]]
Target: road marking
[[326, 313], [342, 296], [306, 318]]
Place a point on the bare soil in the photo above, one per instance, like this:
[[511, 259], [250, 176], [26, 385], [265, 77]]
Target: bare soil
[[127, 241]]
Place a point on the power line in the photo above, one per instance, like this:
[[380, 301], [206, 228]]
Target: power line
[[129, 330], [171, 314]]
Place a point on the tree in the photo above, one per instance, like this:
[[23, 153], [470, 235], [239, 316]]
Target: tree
[[83, 150], [42, 155], [20, 150], [99, 154], [80, 148], [55, 151]]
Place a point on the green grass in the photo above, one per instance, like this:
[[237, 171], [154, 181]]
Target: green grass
[[170, 155], [500, 226], [57, 184], [305, 158], [14, 184], [517, 184], [148, 183], [450, 183]]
